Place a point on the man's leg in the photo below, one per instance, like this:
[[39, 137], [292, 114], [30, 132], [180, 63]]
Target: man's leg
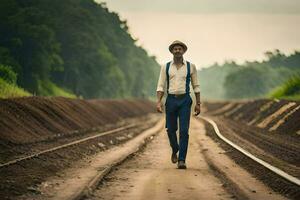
[[184, 123], [171, 124]]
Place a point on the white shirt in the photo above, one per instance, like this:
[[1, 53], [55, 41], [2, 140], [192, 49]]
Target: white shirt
[[177, 78]]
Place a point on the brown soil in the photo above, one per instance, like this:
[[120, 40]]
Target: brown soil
[[255, 111], [34, 119], [277, 183], [248, 124], [151, 175], [283, 147], [32, 124], [24, 177]]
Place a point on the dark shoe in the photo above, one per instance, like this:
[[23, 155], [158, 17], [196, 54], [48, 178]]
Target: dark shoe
[[181, 164], [174, 158]]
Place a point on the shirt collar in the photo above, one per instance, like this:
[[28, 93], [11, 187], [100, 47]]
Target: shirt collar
[[184, 62]]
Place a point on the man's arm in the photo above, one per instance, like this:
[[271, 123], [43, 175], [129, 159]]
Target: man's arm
[[159, 95], [160, 88], [197, 94], [195, 83], [196, 87], [159, 103]]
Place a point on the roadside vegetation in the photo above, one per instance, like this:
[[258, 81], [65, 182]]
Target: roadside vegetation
[[73, 48], [289, 90], [252, 79]]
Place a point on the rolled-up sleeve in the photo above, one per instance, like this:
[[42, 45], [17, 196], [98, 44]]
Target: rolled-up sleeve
[[194, 79], [162, 79]]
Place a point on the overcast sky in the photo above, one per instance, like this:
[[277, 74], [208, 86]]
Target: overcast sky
[[206, 6], [214, 30]]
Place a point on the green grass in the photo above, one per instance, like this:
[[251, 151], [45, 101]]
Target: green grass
[[289, 90], [47, 88], [8, 90]]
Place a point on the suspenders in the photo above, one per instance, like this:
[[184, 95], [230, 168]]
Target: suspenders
[[168, 77], [188, 77]]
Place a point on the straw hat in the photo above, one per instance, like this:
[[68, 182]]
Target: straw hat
[[177, 42]]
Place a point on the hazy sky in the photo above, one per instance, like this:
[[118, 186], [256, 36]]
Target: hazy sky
[[214, 30]]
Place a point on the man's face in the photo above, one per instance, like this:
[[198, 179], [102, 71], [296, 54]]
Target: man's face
[[177, 51]]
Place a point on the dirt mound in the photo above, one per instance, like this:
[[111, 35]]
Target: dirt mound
[[34, 119], [280, 116]]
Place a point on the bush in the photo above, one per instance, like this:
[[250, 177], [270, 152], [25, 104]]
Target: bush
[[11, 90], [7, 74], [289, 90], [48, 88]]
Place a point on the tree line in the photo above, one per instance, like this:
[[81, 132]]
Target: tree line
[[251, 79], [78, 46]]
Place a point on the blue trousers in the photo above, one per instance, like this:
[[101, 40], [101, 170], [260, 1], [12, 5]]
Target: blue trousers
[[178, 108]]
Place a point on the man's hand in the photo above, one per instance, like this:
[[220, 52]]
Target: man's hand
[[197, 110], [159, 107]]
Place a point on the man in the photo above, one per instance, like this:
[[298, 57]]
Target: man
[[178, 74]]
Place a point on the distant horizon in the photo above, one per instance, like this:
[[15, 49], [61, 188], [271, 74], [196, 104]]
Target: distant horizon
[[206, 6], [215, 35]]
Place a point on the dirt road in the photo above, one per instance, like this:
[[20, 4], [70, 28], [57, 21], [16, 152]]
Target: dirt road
[[151, 175]]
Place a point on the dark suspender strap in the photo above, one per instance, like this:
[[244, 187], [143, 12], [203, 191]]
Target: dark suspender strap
[[188, 78], [167, 72]]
